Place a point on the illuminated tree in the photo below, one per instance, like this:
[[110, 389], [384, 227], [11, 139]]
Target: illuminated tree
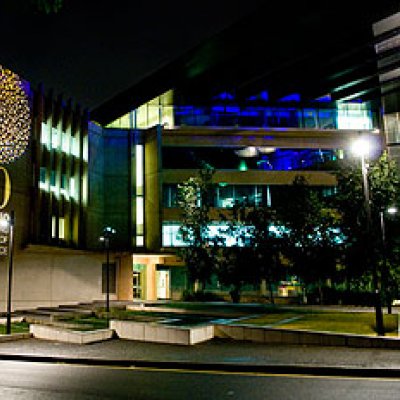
[[15, 122]]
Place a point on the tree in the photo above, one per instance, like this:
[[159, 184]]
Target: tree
[[311, 233], [266, 240], [41, 7], [201, 250], [237, 265], [48, 6], [384, 180]]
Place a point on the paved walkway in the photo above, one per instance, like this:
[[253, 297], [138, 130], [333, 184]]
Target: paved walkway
[[216, 351]]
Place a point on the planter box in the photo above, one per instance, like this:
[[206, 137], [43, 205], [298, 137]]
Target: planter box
[[149, 332], [302, 337], [69, 336]]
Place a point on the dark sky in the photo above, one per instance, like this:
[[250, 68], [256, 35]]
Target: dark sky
[[92, 50]]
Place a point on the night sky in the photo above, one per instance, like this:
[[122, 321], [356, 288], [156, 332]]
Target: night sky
[[92, 50]]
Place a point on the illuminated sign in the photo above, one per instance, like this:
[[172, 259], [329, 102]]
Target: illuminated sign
[[4, 233], [6, 188]]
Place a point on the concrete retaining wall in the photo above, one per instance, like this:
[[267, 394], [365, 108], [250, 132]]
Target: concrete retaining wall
[[56, 276], [69, 336], [283, 336], [148, 332]]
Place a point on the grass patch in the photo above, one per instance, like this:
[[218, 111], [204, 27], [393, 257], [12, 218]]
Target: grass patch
[[16, 327], [357, 323], [220, 308], [267, 319]]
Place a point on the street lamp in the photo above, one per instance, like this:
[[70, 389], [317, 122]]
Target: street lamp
[[361, 147], [392, 211], [105, 238]]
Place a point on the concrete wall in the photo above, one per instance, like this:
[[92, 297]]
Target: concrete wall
[[44, 276], [124, 284]]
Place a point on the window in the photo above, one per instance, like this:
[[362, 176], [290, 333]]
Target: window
[[61, 228], [42, 174], [169, 196]]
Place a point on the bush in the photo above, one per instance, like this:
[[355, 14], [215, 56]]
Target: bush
[[201, 296], [339, 296]]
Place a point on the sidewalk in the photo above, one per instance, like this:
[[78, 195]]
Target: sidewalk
[[216, 355]]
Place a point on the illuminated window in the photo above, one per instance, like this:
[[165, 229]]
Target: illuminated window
[[139, 241], [55, 137], [61, 228], [139, 195], [42, 173], [354, 116], [139, 215], [45, 135], [72, 187], [53, 178], [65, 142], [53, 226], [75, 146]]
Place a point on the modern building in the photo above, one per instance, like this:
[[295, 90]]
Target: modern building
[[120, 165]]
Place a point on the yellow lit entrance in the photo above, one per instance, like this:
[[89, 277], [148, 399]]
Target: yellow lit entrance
[[163, 284]]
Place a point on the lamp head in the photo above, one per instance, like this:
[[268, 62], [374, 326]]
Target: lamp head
[[361, 147], [392, 210]]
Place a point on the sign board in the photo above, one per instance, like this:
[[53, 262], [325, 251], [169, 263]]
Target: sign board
[[4, 233], [5, 193]]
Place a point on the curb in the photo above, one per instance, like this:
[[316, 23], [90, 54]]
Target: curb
[[215, 367]]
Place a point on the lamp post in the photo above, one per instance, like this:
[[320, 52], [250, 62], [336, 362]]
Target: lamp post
[[361, 147], [105, 238], [7, 223], [390, 210]]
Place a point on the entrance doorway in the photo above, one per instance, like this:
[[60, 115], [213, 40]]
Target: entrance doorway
[[163, 283], [137, 285]]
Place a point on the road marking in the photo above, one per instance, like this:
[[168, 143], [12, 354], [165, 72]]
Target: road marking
[[238, 373]]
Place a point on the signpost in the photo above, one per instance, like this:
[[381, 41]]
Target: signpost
[[7, 221]]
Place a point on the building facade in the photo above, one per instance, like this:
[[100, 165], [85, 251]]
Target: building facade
[[82, 173]]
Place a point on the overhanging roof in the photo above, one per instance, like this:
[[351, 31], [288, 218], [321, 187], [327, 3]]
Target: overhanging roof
[[312, 48]]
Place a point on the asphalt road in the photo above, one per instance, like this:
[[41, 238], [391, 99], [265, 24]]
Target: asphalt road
[[24, 380]]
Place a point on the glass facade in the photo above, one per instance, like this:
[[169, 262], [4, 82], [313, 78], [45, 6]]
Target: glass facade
[[226, 195], [261, 158], [162, 111]]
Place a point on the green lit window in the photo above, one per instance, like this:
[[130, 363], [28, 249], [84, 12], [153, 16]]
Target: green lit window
[[42, 175], [52, 178]]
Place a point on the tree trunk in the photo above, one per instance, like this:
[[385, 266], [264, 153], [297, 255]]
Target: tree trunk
[[235, 293], [321, 293], [271, 292]]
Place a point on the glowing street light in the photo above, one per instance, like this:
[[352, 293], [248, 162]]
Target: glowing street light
[[362, 148], [392, 210]]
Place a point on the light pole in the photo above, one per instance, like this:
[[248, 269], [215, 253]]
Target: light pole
[[361, 147], [105, 238], [390, 210], [7, 228]]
